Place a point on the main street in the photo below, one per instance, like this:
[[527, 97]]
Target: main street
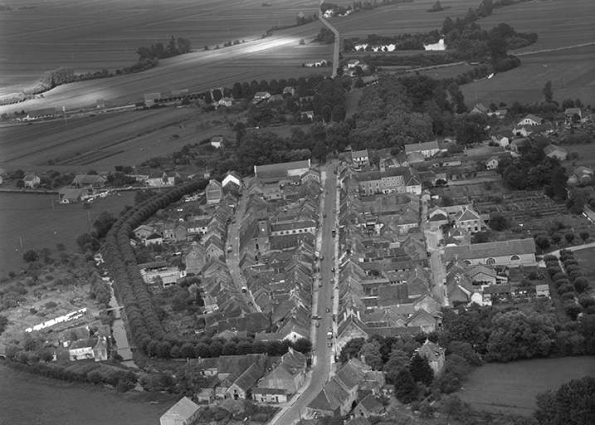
[[322, 361]]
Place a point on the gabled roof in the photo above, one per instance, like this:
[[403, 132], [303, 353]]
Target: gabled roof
[[182, 410], [371, 404], [431, 351], [533, 118], [466, 214], [549, 149], [490, 249], [279, 169], [83, 179], [417, 147], [421, 316], [249, 378]]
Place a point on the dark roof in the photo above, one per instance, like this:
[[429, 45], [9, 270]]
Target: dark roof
[[279, 169], [249, 378]]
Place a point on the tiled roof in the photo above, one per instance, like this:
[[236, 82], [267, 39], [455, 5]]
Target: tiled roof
[[416, 147], [280, 168], [490, 249], [183, 409]]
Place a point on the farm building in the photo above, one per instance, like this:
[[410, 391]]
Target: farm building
[[93, 180], [70, 195], [184, 412], [557, 152], [279, 171], [512, 253], [31, 180]]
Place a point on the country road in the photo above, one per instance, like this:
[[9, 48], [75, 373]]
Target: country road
[[336, 44]]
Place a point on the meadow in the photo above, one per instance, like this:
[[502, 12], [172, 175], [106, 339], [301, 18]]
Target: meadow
[[512, 387], [103, 141], [90, 35], [32, 221], [62, 403], [571, 71], [585, 261], [411, 17]]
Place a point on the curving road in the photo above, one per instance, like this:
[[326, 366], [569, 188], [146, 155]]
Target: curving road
[[337, 44]]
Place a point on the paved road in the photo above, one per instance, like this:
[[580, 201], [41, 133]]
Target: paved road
[[233, 258], [572, 248], [337, 45], [438, 269], [322, 360]]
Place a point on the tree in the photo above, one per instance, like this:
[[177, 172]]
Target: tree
[[421, 370], [584, 236], [103, 223], [338, 113], [398, 360], [572, 404], [470, 129], [30, 256], [303, 345], [518, 335], [370, 352], [499, 223], [548, 92], [569, 237], [406, 389], [326, 113], [351, 349], [543, 242]]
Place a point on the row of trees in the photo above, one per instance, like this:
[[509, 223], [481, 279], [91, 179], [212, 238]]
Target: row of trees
[[175, 47], [143, 322], [32, 356], [570, 283], [217, 347]]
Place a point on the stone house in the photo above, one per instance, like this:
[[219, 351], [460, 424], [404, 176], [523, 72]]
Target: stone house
[[434, 354], [184, 412]]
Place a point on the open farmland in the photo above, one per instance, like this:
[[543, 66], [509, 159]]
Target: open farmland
[[559, 23], [103, 141], [411, 17], [90, 35], [571, 71], [278, 56], [585, 261], [31, 219], [512, 387]]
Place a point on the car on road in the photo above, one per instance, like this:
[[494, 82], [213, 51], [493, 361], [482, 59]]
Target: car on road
[[328, 310], [316, 317], [330, 345], [320, 285], [324, 215], [317, 325], [333, 270]]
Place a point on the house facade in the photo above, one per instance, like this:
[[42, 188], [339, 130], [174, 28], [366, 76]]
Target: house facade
[[434, 354], [214, 192]]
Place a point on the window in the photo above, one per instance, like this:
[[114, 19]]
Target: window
[[515, 258], [490, 261]]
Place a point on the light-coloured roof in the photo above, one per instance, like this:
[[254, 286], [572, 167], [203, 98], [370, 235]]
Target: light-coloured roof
[[281, 167], [490, 249], [418, 147], [183, 409]]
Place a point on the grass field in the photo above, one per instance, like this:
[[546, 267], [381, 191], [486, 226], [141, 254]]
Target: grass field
[[586, 153], [512, 387], [31, 219], [91, 34], [400, 18], [572, 73], [103, 141], [585, 259]]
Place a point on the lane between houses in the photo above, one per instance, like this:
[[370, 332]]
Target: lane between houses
[[322, 363]]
